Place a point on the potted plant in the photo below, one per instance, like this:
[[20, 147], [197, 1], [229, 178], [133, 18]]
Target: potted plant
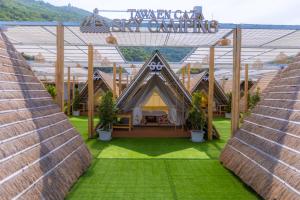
[[107, 115], [228, 107], [197, 118], [75, 106]]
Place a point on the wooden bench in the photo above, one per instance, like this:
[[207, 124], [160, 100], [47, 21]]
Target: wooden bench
[[124, 126]]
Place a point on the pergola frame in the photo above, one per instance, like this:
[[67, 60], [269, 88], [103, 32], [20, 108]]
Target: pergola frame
[[270, 40], [217, 55]]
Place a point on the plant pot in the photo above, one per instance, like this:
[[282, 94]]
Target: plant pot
[[76, 113], [104, 135], [228, 115], [197, 135]]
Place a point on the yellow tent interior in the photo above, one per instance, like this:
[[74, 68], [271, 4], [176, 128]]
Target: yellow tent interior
[[155, 102]]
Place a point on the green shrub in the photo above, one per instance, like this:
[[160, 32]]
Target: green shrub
[[107, 111], [76, 101], [196, 117], [51, 90], [228, 107], [254, 99]]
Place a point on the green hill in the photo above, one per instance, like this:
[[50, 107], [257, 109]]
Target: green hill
[[32, 10], [140, 54]]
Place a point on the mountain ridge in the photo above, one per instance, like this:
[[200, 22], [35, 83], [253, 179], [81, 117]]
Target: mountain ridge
[[32, 10]]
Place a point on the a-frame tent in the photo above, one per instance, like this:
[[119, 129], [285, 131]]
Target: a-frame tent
[[103, 82], [200, 82], [156, 75], [41, 153], [265, 151]]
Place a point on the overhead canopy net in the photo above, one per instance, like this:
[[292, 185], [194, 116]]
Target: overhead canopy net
[[261, 45]]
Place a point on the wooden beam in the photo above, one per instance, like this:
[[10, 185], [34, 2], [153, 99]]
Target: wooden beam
[[235, 109], [189, 76], [246, 88], [90, 91], [59, 69], [69, 92], [183, 75], [211, 92], [120, 80], [115, 80]]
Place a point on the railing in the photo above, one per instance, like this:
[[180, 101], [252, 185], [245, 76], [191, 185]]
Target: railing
[[124, 126]]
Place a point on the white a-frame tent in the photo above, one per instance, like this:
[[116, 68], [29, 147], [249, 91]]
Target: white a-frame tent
[[156, 75]]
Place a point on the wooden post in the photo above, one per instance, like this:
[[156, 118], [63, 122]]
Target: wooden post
[[235, 109], [127, 80], [211, 92], [246, 88], [189, 77], [120, 80], [90, 91], [183, 75], [69, 91], [114, 80], [74, 84], [59, 69], [73, 91]]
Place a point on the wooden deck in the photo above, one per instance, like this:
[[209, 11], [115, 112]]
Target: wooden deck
[[151, 132]]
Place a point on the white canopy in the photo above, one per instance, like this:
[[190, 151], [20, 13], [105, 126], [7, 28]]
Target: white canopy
[[260, 43]]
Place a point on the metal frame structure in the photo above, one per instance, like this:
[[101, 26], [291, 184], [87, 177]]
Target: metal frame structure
[[250, 43], [259, 42]]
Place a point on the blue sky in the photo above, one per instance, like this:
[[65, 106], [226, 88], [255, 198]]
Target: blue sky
[[225, 11]]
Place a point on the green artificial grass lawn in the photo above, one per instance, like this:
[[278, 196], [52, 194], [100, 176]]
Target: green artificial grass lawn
[[162, 168]]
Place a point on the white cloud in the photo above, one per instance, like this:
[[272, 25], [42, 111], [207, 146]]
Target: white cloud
[[227, 11]]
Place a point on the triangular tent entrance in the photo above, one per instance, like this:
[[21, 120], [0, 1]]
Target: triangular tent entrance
[[156, 75], [201, 83], [103, 82], [155, 102]]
